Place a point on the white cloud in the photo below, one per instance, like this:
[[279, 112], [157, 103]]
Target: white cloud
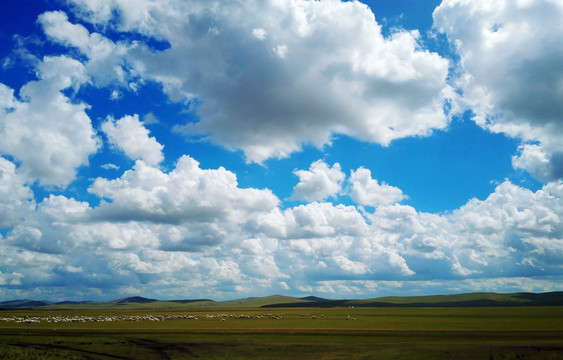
[[243, 247], [106, 60], [73, 269], [6, 99], [319, 182], [511, 72], [367, 191], [109, 166], [16, 198], [259, 33], [57, 27], [51, 228], [150, 118], [332, 71], [281, 51], [321, 239], [129, 135], [349, 266], [97, 11], [314, 220], [511, 222], [512, 232], [115, 95], [47, 132], [142, 15], [536, 161], [491, 236], [186, 194], [202, 209], [458, 269]]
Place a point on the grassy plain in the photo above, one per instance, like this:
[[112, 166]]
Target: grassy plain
[[377, 333]]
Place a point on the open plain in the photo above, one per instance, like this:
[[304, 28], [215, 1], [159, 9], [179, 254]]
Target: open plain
[[282, 333]]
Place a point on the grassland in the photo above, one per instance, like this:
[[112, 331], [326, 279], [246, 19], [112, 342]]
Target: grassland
[[285, 333]]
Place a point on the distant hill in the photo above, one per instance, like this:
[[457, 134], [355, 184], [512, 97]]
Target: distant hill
[[455, 300], [279, 301], [22, 304], [190, 301], [132, 299], [74, 302], [258, 301], [313, 298]]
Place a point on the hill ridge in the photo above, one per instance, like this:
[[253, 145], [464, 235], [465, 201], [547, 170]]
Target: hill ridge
[[132, 299], [476, 299]]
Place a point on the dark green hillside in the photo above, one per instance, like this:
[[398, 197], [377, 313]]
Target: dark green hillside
[[259, 301]]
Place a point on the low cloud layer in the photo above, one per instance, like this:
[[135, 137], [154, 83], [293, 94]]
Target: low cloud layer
[[203, 232]]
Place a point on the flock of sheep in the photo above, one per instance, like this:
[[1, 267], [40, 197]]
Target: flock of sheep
[[101, 318]]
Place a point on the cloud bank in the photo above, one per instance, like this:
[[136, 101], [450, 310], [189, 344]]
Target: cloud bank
[[197, 229]]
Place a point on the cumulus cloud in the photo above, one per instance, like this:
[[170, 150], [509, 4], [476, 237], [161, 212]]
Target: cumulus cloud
[[511, 73], [130, 135], [324, 240], [496, 236], [368, 191], [56, 26], [47, 132], [16, 198], [246, 243], [186, 194], [6, 99], [509, 222], [106, 60], [50, 228], [534, 159], [319, 182], [268, 86], [64, 243], [350, 266], [314, 220]]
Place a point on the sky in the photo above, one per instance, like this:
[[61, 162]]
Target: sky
[[180, 149]]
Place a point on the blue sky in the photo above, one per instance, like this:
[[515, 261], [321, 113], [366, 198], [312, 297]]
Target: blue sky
[[188, 149]]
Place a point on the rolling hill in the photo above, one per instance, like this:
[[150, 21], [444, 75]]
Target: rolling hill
[[132, 299], [454, 300], [483, 299]]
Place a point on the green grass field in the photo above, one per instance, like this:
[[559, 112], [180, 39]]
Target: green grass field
[[291, 333]]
